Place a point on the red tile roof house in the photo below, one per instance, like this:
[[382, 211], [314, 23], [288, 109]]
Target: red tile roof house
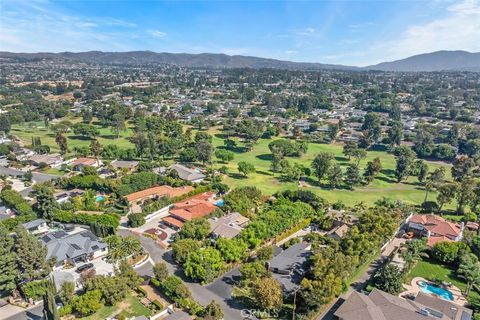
[[79, 163], [135, 199], [196, 207], [435, 228]]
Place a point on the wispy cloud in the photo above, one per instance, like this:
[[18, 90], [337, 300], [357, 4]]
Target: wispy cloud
[[458, 28], [157, 33]]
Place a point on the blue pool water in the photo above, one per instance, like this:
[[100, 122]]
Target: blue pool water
[[220, 203], [100, 199], [431, 289]]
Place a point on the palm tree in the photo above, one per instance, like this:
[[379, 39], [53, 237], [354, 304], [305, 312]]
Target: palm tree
[[469, 269], [131, 246], [414, 251]]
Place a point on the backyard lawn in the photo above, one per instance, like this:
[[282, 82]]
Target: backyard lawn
[[432, 270], [130, 307]]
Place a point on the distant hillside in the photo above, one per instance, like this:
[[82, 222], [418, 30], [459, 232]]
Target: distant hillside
[[435, 61], [212, 60]]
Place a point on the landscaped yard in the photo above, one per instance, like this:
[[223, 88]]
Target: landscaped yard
[[432, 270], [130, 307]]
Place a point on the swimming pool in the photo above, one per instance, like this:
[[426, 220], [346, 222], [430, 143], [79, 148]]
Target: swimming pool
[[100, 198], [220, 203], [434, 290]]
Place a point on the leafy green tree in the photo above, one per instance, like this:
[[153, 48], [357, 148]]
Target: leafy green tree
[[446, 193], [265, 253], [421, 170], [389, 279], [373, 169], [128, 275], [224, 155], [62, 142], [8, 262], [469, 269], [462, 168], [252, 271], [267, 293], [335, 176], [232, 250], [31, 256], [118, 124], [88, 303], [395, 134], [204, 151], [321, 164], [371, 123], [136, 220], [183, 247], [197, 229], [434, 179], [352, 176], [414, 251], [46, 204], [174, 288], [349, 148], [67, 292], [204, 264], [245, 168], [405, 158], [212, 311], [447, 252], [160, 271]]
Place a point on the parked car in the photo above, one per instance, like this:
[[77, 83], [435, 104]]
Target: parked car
[[84, 267]]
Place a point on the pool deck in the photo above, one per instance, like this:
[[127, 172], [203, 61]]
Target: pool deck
[[414, 289]]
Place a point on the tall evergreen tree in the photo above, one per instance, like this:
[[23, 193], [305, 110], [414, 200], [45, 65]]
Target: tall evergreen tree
[[31, 256], [50, 311], [8, 264]]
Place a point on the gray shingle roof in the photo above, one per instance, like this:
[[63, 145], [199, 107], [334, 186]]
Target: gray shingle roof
[[186, 173], [64, 246], [33, 224], [379, 305]]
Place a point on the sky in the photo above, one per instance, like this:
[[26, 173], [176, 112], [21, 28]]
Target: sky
[[351, 32]]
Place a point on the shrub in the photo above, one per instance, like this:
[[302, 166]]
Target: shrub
[[34, 289], [136, 220]]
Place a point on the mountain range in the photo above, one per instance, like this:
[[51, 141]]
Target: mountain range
[[435, 61]]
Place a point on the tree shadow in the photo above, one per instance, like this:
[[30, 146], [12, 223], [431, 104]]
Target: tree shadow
[[386, 179], [265, 157], [342, 159], [110, 136], [266, 173], [237, 176], [78, 137]]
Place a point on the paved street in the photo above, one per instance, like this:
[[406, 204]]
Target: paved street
[[219, 290], [10, 312]]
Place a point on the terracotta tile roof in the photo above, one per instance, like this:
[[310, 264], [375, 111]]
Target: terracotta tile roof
[[195, 207], [435, 239], [84, 161], [159, 191], [173, 221], [437, 225]]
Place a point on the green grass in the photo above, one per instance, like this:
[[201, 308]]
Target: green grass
[[132, 307], [431, 270], [28, 130], [384, 184]]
